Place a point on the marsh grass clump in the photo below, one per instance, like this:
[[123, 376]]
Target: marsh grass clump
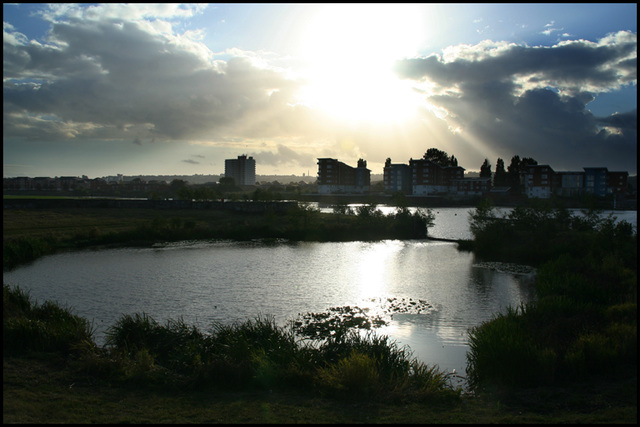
[[355, 374], [176, 345], [501, 351], [260, 354], [22, 250], [31, 327], [367, 364]]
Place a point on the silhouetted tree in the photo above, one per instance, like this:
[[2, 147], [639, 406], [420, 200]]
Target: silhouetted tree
[[179, 189], [177, 184], [500, 178], [485, 169], [440, 157], [227, 181], [515, 168]]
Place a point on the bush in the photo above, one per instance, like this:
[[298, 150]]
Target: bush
[[501, 351], [356, 374], [175, 346]]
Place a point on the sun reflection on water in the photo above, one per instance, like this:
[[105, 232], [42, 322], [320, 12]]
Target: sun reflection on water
[[375, 266]]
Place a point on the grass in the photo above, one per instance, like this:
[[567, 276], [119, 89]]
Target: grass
[[29, 234], [46, 390], [148, 374], [568, 357], [582, 325]]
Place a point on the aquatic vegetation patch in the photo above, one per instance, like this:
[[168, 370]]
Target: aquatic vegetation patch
[[335, 320], [376, 312], [393, 305]]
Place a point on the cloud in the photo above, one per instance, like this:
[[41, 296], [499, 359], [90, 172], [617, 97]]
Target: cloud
[[105, 71], [282, 156], [550, 29], [193, 162], [532, 101]]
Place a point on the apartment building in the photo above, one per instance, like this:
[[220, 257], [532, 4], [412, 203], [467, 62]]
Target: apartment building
[[571, 183], [429, 178], [542, 181], [537, 181], [337, 177], [472, 186], [617, 182], [396, 177], [242, 170]]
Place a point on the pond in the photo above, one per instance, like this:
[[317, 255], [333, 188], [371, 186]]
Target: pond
[[429, 292]]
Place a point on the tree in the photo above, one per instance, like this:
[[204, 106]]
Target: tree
[[485, 169], [177, 184], [500, 178], [514, 170], [513, 173], [180, 189], [227, 181], [440, 157]]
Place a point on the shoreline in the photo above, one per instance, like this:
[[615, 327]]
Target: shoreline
[[18, 201]]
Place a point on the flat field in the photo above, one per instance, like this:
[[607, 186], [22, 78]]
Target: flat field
[[66, 223]]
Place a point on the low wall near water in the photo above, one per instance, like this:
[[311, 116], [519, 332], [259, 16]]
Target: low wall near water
[[236, 206]]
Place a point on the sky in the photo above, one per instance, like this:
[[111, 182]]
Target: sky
[[175, 89]]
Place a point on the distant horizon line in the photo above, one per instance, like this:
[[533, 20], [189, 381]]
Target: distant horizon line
[[204, 175], [142, 175]]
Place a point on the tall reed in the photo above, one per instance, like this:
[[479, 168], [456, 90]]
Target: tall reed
[[30, 327]]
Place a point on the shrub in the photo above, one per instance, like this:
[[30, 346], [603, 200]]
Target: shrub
[[424, 381], [392, 360], [355, 374], [502, 351], [174, 346], [590, 353], [240, 341]]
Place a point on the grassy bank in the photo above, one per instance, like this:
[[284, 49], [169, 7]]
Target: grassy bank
[[583, 323], [251, 372], [29, 234]]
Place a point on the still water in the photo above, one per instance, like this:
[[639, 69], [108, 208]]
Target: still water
[[232, 281]]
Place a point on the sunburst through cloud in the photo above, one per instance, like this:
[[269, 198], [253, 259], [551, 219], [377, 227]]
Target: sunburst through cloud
[[99, 89]]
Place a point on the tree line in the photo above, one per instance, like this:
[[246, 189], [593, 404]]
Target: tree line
[[509, 177], [501, 178]]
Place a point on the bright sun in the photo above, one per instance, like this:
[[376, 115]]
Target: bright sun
[[350, 50]]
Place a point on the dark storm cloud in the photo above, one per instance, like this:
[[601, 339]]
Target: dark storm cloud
[[532, 101], [106, 78], [581, 62]]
